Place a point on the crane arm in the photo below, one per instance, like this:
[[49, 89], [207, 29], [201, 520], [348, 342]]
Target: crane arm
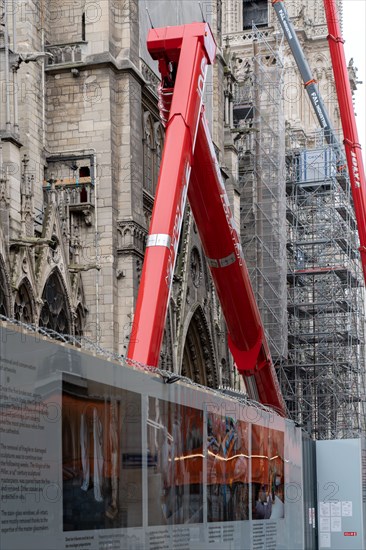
[[191, 47], [221, 243], [189, 166], [310, 83], [351, 142]]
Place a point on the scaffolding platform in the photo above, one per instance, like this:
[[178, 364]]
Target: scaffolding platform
[[324, 377], [259, 120]]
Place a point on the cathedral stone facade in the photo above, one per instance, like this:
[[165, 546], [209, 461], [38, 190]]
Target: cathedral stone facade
[[81, 143]]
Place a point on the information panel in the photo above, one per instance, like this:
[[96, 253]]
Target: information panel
[[175, 463], [268, 473], [227, 469], [96, 455], [101, 456], [340, 507]]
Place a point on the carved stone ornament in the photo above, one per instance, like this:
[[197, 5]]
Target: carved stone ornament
[[196, 267]]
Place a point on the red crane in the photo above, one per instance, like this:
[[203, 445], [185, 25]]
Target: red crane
[[352, 146], [350, 134], [189, 167]]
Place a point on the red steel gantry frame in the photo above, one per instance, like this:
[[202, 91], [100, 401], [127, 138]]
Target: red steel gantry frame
[[189, 167]]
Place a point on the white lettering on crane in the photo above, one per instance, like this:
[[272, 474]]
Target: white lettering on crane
[[200, 90], [202, 77], [183, 197], [177, 226], [316, 102], [232, 226], [285, 24], [355, 169]]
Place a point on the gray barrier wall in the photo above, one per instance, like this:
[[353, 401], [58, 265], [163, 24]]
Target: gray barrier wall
[[98, 455], [341, 474]]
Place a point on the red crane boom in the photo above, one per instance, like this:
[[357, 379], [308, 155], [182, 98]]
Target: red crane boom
[[350, 134], [183, 53]]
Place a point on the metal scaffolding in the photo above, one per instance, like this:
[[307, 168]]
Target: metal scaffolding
[[259, 120], [315, 327], [324, 379]]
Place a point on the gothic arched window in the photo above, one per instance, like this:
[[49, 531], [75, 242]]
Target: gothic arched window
[[158, 152], [55, 313], [198, 358], [23, 308], [80, 320], [225, 373], [4, 292]]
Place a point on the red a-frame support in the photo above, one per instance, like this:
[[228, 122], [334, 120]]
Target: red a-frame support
[[189, 167]]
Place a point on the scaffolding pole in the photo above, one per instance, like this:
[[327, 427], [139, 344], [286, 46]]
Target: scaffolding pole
[[325, 375], [259, 119]]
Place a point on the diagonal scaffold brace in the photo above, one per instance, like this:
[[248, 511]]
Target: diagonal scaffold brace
[[189, 168]]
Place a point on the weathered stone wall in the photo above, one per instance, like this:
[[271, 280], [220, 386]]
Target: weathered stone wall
[[88, 113]]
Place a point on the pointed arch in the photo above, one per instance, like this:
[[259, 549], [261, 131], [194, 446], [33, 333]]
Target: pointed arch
[[24, 303], [158, 151], [80, 310], [199, 363], [226, 373], [56, 312], [5, 301], [80, 315], [166, 353]]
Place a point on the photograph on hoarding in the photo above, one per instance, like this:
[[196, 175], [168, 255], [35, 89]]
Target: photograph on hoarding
[[102, 456], [227, 469], [175, 463], [268, 473]]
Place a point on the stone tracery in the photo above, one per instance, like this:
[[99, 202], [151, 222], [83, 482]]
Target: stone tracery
[[55, 313], [4, 291], [24, 303], [198, 357]]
